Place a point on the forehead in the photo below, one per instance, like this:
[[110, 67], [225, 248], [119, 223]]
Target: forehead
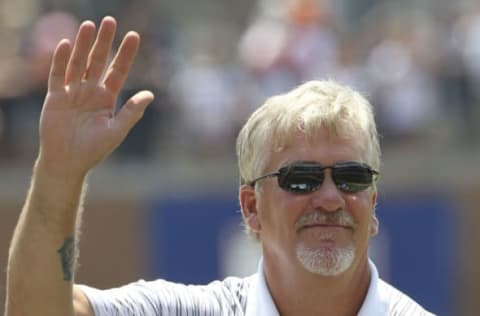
[[325, 148]]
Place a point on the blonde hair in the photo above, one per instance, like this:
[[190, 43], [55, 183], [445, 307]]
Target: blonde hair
[[306, 109]]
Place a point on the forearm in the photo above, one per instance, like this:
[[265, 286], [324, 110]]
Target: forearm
[[79, 127], [43, 250]]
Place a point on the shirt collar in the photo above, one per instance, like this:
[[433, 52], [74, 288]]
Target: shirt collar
[[374, 303], [260, 302]]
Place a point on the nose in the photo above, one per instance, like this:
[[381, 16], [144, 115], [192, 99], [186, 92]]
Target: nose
[[328, 197]]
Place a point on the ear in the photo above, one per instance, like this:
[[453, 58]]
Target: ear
[[248, 203], [373, 226]]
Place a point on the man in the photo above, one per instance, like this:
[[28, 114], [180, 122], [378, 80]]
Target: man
[[308, 164]]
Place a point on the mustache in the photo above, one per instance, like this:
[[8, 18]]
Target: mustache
[[340, 217]]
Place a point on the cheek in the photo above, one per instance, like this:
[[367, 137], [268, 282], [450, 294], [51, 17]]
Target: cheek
[[361, 207], [279, 210]]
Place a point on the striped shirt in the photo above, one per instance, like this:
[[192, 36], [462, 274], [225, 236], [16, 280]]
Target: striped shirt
[[233, 296]]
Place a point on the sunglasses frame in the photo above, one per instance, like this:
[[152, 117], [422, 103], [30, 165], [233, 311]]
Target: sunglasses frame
[[320, 169]]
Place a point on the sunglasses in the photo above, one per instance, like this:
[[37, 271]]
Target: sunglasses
[[305, 177]]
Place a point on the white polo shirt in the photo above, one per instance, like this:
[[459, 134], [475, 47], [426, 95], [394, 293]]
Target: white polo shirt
[[233, 296], [381, 299]]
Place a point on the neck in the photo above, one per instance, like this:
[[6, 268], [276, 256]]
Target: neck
[[296, 291]]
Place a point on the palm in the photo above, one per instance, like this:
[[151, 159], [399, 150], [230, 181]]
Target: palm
[[79, 132], [78, 127]]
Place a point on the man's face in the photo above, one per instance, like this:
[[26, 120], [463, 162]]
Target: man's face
[[325, 231]]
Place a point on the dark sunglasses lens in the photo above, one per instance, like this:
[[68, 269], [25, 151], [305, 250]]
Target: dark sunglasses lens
[[300, 180], [352, 178]]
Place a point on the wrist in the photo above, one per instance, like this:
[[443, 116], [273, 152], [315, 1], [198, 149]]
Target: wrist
[[57, 197], [57, 184], [55, 172]]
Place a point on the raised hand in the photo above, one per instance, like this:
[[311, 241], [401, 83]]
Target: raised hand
[[78, 125]]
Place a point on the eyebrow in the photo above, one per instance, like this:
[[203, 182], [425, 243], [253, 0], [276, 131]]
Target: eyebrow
[[294, 162]]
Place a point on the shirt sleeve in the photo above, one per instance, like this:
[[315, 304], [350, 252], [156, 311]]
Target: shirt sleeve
[[161, 297], [400, 304]]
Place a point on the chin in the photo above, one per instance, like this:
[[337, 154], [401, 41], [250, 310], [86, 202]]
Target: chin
[[326, 261]]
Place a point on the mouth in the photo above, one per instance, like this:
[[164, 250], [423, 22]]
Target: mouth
[[327, 226]]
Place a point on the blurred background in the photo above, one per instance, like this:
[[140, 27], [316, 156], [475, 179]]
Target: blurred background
[[164, 204]]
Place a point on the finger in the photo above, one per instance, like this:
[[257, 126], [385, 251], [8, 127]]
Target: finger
[[118, 71], [56, 79], [78, 59], [98, 57], [132, 112]]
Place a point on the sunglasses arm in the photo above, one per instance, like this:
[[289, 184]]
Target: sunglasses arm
[[270, 175]]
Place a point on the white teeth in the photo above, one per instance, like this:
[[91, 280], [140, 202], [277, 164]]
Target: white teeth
[[326, 236]]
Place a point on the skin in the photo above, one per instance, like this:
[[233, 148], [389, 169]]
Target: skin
[[78, 129], [272, 213]]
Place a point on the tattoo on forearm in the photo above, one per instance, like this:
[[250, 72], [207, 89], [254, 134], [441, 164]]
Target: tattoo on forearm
[[67, 257]]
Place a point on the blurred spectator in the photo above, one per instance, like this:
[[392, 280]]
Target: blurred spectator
[[152, 70], [203, 90], [261, 50], [455, 84], [467, 36], [312, 45], [403, 92], [288, 42], [25, 89]]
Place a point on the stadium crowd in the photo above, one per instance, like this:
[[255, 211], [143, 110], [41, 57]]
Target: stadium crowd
[[420, 66]]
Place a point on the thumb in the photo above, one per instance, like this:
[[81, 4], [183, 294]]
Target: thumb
[[131, 112]]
